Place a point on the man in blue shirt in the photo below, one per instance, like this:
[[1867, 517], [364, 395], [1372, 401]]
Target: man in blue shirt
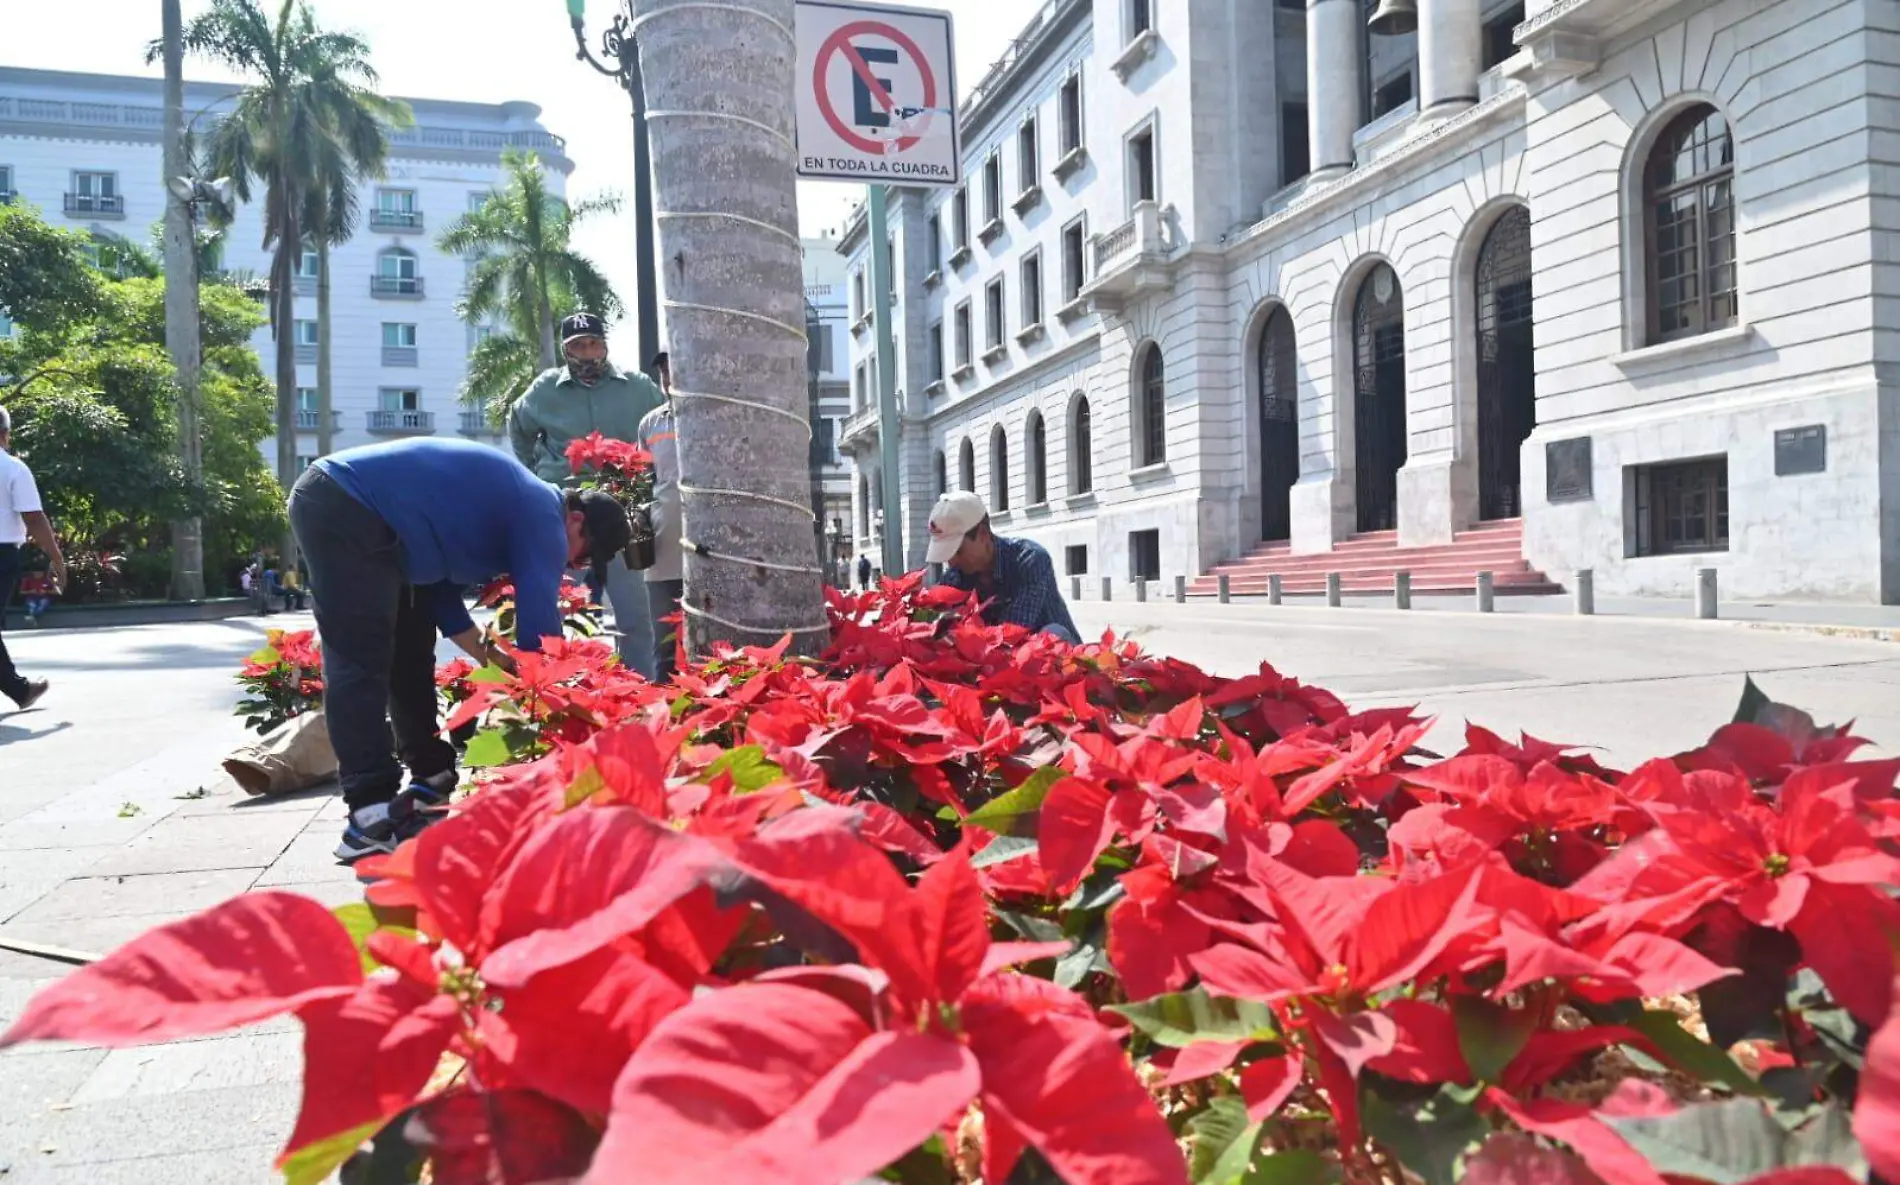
[[1013, 578], [392, 534]]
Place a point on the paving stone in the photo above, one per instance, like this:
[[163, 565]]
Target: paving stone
[[222, 796], [35, 831], [206, 1128], [154, 1071], [311, 857], [248, 1165], [178, 893], [342, 890], [192, 842], [26, 876], [93, 935], [34, 1080]]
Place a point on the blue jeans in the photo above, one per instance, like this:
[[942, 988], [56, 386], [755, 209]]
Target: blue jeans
[[627, 597]]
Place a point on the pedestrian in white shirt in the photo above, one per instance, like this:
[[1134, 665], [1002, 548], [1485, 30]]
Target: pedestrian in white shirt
[[22, 517]]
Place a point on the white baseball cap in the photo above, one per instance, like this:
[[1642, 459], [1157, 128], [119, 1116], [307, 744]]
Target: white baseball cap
[[957, 513]]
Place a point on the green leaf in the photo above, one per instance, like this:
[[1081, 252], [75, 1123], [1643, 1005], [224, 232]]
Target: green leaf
[[313, 1163], [360, 923], [1003, 849], [1754, 699], [1736, 1140], [486, 749], [1301, 1167], [1078, 964], [1182, 1018], [489, 674], [1490, 1035], [267, 656], [747, 765], [1032, 929], [1001, 813], [1429, 1139], [1224, 1140], [1693, 1056]]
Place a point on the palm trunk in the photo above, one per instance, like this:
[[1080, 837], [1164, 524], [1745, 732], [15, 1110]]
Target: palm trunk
[[283, 296], [326, 430], [735, 289], [544, 313], [181, 318]]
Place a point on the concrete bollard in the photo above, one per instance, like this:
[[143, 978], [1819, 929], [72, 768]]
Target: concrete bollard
[[1075, 593], [1108, 588], [1275, 590], [1180, 590], [1705, 594], [1141, 591], [1226, 590], [1402, 590], [1586, 592], [1332, 590], [1487, 592]]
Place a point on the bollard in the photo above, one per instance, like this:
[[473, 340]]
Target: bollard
[[1332, 590], [1226, 590], [1274, 589], [1108, 588], [1487, 593], [1586, 592], [1705, 594], [1180, 590], [1075, 593], [1141, 590], [1402, 590]]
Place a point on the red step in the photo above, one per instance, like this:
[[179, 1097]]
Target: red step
[[1367, 563]]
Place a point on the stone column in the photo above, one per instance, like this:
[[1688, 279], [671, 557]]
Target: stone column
[[1450, 54], [1334, 64]]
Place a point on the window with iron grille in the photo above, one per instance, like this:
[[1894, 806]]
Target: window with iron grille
[[1681, 507], [1153, 408], [1689, 208]]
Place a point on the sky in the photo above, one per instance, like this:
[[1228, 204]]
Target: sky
[[487, 51]]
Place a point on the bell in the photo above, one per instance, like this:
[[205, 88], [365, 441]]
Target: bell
[[1394, 18]]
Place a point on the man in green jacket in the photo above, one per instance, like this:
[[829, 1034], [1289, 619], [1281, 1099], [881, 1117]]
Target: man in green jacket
[[567, 403]]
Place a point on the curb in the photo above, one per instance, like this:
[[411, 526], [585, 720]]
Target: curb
[[1861, 633]]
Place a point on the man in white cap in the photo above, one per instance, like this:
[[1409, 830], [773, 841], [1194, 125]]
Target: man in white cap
[[1013, 578]]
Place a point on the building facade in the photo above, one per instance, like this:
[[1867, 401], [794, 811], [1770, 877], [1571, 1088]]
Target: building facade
[[826, 313], [85, 149], [1608, 274]]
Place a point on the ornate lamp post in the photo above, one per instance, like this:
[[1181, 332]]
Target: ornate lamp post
[[622, 64]]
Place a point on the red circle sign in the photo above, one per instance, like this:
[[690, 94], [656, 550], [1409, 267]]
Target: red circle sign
[[840, 42]]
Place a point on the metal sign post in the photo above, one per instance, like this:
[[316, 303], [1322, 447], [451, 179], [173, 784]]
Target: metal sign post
[[877, 104]]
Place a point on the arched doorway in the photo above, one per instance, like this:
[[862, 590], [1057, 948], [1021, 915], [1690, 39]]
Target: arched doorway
[[1378, 417], [1276, 364], [1507, 368]]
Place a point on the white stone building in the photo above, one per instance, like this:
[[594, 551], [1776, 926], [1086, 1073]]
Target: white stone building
[[825, 298], [85, 149], [1601, 280]]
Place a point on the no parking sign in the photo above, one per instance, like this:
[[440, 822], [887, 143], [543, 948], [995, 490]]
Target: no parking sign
[[876, 94]]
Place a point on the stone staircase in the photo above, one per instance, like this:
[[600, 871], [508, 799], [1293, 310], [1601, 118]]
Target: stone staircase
[[1366, 564]]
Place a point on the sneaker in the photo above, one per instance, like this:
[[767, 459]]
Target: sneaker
[[380, 828], [34, 691], [431, 794]]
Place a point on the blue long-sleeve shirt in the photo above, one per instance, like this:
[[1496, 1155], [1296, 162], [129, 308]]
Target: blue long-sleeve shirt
[[465, 514], [1025, 590]]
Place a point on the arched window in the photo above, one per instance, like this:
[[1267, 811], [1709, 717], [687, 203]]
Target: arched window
[[1276, 375], [1151, 410], [999, 469], [1038, 460], [1689, 211], [966, 468], [1081, 449], [943, 474], [864, 506]]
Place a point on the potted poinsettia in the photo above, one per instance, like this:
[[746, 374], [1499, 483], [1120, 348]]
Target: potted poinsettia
[[624, 471]]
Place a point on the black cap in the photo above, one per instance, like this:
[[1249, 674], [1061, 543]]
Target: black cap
[[605, 527], [583, 325]]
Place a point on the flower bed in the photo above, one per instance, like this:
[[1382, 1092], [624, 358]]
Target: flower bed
[[958, 904]]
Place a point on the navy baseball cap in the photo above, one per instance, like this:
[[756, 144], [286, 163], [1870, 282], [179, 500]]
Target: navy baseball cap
[[583, 325]]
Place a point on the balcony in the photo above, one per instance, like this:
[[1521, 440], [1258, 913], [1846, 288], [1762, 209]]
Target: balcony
[[396, 287], [400, 423], [477, 423], [93, 205], [307, 421], [397, 221], [1132, 258], [400, 356], [860, 427]]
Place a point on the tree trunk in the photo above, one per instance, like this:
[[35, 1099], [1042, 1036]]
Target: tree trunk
[[734, 288], [544, 312], [283, 295], [181, 319], [326, 418]]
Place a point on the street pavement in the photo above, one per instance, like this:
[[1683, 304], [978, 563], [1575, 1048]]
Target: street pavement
[[114, 816]]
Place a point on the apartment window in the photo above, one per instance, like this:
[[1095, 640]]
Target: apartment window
[[960, 206], [1037, 443], [1141, 166], [1498, 42], [307, 265], [307, 333], [1075, 560], [1688, 190], [398, 337], [860, 383], [965, 332], [1141, 17], [993, 313], [1144, 555], [1032, 289], [1296, 157], [1027, 166], [1151, 404], [6, 183], [396, 201], [307, 399], [1074, 261], [936, 350], [1081, 448], [398, 273], [1681, 507], [825, 349], [305, 461], [993, 188], [999, 469], [400, 399], [1069, 114], [935, 249], [858, 305], [95, 193]]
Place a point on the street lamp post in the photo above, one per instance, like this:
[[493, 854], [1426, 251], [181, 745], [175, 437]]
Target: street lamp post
[[623, 65]]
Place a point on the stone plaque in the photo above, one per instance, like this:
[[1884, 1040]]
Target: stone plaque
[[1801, 450], [1567, 476]]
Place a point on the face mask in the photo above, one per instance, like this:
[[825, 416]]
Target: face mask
[[587, 372]]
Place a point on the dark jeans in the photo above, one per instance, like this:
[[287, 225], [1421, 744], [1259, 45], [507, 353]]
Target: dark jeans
[[663, 598], [11, 684], [378, 644]]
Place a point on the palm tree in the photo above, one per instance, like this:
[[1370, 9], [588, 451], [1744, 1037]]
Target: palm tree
[[311, 104], [526, 267], [733, 281]]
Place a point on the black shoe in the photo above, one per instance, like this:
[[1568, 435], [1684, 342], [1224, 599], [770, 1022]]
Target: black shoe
[[34, 692], [381, 828]]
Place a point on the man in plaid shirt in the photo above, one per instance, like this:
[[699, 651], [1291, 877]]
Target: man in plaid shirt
[[1013, 578]]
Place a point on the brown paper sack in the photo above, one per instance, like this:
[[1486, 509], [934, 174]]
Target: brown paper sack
[[295, 755]]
